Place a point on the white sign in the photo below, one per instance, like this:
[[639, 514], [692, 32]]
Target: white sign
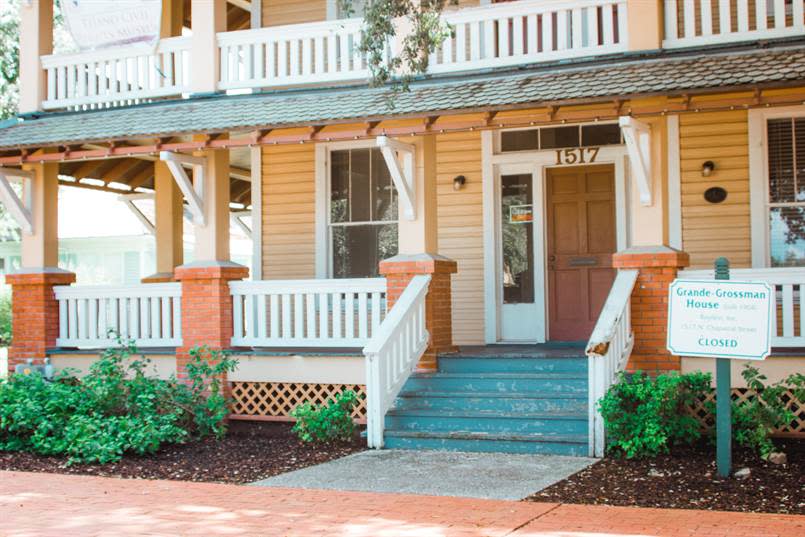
[[720, 318], [96, 24]]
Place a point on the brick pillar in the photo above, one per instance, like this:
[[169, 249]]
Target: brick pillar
[[399, 271], [34, 313], [658, 267], [206, 307]]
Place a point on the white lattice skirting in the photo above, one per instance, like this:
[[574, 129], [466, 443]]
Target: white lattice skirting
[[795, 428], [275, 400]]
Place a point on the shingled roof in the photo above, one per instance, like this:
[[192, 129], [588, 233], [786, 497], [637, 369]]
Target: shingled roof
[[623, 76]]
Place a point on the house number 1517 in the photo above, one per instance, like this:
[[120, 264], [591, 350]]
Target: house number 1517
[[579, 155]]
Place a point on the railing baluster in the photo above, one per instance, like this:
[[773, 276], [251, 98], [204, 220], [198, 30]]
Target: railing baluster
[[299, 316], [261, 325], [275, 316]]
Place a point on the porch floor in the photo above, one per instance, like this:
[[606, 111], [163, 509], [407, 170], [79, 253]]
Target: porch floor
[[553, 349]]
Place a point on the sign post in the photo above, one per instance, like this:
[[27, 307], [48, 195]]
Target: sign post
[[723, 395], [726, 320]]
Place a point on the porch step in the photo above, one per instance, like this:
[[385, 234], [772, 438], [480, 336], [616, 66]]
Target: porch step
[[499, 382], [493, 401], [457, 421], [524, 400], [574, 445]]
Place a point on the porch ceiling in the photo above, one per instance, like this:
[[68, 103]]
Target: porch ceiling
[[615, 78]]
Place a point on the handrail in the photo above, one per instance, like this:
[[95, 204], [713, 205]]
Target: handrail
[[788, 325], [307, 313], [608, 351], [392, 354], [94, 316]]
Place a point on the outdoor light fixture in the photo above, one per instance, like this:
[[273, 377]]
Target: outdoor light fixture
[[707, 168], [458, 182]]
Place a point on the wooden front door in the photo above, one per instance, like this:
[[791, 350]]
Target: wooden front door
[[581, 240]]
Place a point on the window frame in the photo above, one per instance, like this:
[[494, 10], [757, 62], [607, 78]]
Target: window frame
[[759, 195], [323, 177]]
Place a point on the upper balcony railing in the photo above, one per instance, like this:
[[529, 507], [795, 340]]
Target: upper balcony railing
[[707, 22], [322, 53]]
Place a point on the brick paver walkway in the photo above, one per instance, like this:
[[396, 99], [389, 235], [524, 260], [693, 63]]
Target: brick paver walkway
[[46, 504]]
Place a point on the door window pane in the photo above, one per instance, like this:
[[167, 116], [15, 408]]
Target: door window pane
[[609, 134], [519, 140], [517, 228]]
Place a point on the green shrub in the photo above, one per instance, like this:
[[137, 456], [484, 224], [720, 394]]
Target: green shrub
[[327, 422], [644, 416], [5, 319], [754, 419], [116, 408]]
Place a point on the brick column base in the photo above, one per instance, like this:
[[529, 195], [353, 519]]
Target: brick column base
[[399, 270], [34, 313], [658, 267], [206, 308]]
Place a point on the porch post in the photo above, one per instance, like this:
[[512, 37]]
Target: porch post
[[206, 301], [644, 24], [418, 247], [36, 40], [658, 267], [34, 310], [168, 209], [208, 17]]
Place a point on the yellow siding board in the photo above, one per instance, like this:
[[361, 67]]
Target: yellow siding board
[[288, 212], [712, 230], [277, 12], [460, 230]]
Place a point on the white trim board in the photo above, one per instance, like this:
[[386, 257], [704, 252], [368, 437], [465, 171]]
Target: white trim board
[[674, 185], [759, 178], [539, 162], [256, 155]]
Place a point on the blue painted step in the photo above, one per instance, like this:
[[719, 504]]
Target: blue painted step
[[493, 401], [499, 382], [507, 443], [460, 364], [547, 424]]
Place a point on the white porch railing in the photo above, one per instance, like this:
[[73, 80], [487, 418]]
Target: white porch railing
[[393, 353], [788, 325], [608, 352], [531, 31], [93, 316], [291, 55], [118, 76], [707, 22], [307, 313]]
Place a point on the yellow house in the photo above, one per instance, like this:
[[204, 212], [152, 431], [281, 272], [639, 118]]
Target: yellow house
[[510, 224]]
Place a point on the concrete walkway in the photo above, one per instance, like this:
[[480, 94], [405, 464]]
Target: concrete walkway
[[60, 505], [494, 476]]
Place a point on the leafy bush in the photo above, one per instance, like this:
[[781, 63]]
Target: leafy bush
[[644, 416], [755, 419], [5, 319], [327, 422], [116, 408]]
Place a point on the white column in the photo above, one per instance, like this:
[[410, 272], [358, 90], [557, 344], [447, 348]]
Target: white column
[[419, 236], [40, 249], [212, 239], [208, 17], [36, 40]]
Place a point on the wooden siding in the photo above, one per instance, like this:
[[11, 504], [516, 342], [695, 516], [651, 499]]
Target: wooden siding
[[289, 248], [712, 230], [277, 12], [460, 230]]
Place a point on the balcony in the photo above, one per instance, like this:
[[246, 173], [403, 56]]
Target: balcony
[[326, 53]]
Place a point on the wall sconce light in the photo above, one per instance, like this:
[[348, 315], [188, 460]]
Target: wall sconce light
[[458, 182], [708, 167]]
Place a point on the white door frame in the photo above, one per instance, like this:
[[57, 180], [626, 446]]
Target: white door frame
[[536, 162]]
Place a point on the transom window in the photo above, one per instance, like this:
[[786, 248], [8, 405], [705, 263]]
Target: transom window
[[786, 160], [363, 212], [560, 137]]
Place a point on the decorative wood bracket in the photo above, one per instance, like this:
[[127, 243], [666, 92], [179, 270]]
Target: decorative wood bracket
[[128, 201], [400, 161], [235, 219], [637, 135], [20, 210], [192, 190]]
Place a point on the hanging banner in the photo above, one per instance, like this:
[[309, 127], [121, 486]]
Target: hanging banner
[[99, 24]]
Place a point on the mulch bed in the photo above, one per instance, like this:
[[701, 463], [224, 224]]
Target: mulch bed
[[687, 479], [250, 451]]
